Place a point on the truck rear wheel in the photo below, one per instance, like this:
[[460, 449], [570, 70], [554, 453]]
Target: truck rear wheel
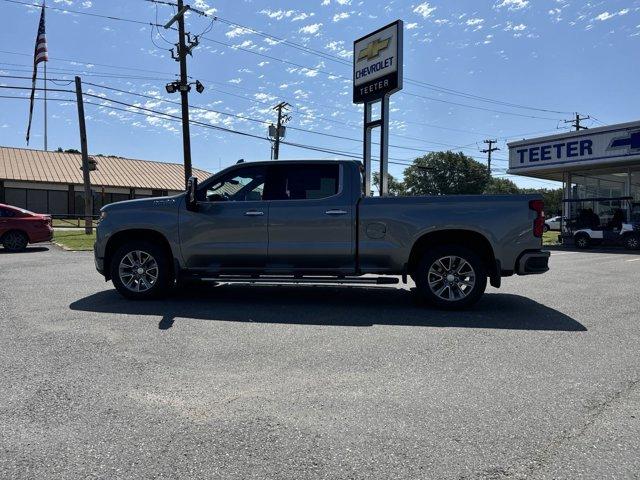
[[140, 270], [451, 277]]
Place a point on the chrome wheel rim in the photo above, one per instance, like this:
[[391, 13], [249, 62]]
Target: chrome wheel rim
[[633, 242], [451, 278], [138, 271], [582, 242]]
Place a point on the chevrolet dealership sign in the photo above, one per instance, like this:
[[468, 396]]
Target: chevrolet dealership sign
[[613, 144], [377, 63]]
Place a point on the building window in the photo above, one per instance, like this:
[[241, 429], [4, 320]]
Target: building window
[[58, 202], [37, 200], [16, 197]]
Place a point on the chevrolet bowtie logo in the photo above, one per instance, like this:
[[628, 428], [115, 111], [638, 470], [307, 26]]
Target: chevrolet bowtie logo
[[631, 141], [373, 50]]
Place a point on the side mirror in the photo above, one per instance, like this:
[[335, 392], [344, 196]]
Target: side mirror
[[192, 187]]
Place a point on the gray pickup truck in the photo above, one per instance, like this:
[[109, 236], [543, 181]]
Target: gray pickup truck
[[308, 222]]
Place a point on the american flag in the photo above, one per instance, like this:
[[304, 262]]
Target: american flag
[[41, 54]]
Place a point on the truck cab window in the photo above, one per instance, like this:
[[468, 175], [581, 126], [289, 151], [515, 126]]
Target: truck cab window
[[303, 182], [241, 185]]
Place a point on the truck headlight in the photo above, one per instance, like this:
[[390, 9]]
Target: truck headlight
[[103, 215]]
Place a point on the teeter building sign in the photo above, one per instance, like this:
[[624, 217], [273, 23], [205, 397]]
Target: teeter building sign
[[377, 63]]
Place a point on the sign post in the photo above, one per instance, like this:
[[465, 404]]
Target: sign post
[[377, 73]]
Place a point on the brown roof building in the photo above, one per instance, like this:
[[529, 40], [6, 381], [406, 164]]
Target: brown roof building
[[51, 182]]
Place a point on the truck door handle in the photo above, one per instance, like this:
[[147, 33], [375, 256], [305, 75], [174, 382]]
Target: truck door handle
[[335, 212], [253, 213]]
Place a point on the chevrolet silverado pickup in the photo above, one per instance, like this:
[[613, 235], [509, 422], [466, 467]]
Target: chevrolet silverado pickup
[[309, 222]]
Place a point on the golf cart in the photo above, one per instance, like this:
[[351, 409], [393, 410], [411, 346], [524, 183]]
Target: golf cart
[[602, 221]]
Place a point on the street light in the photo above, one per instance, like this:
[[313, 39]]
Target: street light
[[172, 87]]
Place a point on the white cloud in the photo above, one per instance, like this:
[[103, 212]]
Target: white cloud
[[202, 5], [424, 9], [271, 41], [235, 80], [512, 4], [472, 22], [411, 26], [516, 28], [302, 16], [277, 14], [605, 16], [310, 29], [236, 32], [264, 97], [339, 48], [341, 16]]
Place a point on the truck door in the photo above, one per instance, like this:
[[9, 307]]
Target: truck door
[[228, 232], [311, 218]]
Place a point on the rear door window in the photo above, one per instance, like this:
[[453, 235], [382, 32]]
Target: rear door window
[[302, 182]]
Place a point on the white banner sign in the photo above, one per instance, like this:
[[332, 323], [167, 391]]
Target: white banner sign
[[601, 145]]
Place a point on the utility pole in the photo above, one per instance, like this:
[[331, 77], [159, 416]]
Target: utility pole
[[184, 46], [88, 197], [184, 94], [280, 128], [576, 122], [488, 151]]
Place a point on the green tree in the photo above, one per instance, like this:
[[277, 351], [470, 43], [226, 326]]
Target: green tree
[[445, 173], [396, 187], [68, 150], [501, 186], [552, 198]]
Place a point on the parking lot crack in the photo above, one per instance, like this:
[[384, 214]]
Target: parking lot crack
[[545, 456]]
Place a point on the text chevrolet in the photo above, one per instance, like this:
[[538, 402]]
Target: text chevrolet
[[307, 221]]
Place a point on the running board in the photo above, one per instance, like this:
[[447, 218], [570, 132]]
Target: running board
[[321, 280]]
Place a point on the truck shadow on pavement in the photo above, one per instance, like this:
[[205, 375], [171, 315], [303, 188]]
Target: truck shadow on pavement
[[327, 305]]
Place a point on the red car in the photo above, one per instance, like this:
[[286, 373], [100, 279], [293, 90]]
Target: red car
[[20, 227]]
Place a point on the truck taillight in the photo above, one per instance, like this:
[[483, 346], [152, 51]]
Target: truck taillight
[[538, 224]]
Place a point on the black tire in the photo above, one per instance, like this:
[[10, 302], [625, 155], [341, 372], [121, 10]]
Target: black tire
[[15, 241], [460, 294], [140, 285], [582, 241], [546, 228], [632, 242]]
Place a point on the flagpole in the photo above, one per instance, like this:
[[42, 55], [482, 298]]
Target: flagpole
[[45, 107]]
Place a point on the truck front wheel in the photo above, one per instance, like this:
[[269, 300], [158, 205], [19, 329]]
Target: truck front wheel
[[140, 270], [451, 277]]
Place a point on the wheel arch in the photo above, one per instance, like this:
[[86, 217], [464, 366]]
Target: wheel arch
[[18, 230], [141, 234], [471, 239]]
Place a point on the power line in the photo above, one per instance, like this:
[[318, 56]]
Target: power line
[[400, 147], [345, 62], [315, 69], [256, 120], [318, 105]]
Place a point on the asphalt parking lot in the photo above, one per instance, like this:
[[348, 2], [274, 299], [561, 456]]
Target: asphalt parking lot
[[540, 380]]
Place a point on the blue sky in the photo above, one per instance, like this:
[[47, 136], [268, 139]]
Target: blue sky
[[553, 57]]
